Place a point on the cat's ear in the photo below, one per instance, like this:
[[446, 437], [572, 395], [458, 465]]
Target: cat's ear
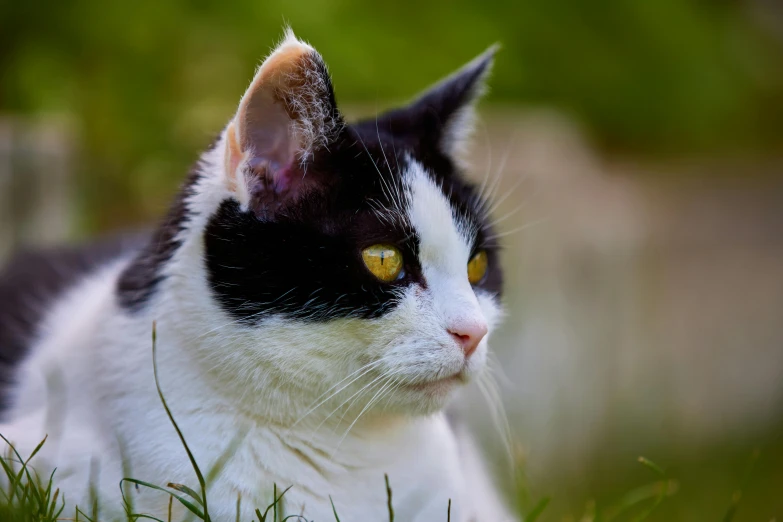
[[443, 116], [285, 118]]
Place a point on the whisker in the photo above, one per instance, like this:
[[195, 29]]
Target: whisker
[[392, 194], [510, 191], [377, 394], [497, 411], [518, 229], [364, 369], [369, 386], [490, 196], [489, 162]]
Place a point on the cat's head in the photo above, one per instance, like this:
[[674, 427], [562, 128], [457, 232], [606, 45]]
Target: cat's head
[[347, 260]]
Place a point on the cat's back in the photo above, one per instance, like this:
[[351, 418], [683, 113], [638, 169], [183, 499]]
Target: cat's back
[[32, 283]]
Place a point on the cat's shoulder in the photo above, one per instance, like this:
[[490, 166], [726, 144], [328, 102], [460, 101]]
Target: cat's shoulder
[[33, 281]]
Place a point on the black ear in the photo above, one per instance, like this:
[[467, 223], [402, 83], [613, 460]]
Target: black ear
[[443, 116]]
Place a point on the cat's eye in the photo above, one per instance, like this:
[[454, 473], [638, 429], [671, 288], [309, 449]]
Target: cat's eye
[[383, 261], [477, 267]]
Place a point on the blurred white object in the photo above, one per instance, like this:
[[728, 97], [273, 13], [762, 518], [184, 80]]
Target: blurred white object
[[35, 179]]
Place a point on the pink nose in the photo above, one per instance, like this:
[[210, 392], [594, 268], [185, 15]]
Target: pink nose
[[468, 335]]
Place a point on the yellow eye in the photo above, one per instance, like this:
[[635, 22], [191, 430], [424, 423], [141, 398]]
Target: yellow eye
[[384, 261], [477, 267]]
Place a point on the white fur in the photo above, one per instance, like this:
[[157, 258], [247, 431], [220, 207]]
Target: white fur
[[326, 407]]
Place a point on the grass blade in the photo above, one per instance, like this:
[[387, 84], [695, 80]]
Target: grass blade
[[185, 502], [389, 498], [184, 489], [193, 463], [334, 510], [537, 510]]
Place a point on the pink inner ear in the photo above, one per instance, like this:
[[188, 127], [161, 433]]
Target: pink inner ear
[[279, 178], [267, 136]]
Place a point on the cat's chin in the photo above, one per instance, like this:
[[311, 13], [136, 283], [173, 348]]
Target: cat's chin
[[428, 397]]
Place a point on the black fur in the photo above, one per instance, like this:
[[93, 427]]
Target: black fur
[[301, 255], [306, 262], [139, 280]]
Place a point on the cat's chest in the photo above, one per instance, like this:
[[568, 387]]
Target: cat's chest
[[422, 466]]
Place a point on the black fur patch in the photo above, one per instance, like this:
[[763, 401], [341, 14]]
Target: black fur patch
[[32, 281], [139, 280], [306, 262], [301, 256]]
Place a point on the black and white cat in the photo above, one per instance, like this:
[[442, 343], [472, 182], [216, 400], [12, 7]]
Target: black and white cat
[[319, 287]]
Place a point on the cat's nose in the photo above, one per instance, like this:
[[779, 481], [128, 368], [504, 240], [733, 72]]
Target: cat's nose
[[468, 335]]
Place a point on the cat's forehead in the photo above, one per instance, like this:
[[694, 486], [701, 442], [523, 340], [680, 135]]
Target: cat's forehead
[[446, 236], [394, 176]]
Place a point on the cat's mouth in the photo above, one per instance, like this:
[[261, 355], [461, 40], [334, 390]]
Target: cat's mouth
[[441, 385]]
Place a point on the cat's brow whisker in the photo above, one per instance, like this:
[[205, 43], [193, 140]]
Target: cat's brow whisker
[[517, 229], [498, 176], [378, 133], [394, 149], [391, 194], [507, 193], [489, 163], [508, 214], [516, 209], [400, 196]]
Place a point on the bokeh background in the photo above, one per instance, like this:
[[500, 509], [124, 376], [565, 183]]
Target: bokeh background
[[635, 152]]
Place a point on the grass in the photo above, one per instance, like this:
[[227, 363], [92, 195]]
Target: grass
[[29, 497]]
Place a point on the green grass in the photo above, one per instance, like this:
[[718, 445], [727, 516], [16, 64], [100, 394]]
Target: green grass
[[30, 497]]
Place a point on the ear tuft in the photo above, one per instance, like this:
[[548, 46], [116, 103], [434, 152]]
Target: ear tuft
[[302, 83], [287, 115]]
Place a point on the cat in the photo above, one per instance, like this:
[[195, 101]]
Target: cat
[[320, 289]]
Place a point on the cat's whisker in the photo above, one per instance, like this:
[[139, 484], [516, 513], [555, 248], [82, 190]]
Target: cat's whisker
[[508, 214], [522, 204], [517, 229], [390, 393], [369, 404], [358, 395], [364, 370], [489, 197], [488, 170], [364, 389], [392, 194], [497, 411], [394, 149], [507, 193], [378, 133], [495, 368]]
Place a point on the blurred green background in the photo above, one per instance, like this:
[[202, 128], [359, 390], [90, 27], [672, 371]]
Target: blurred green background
[[146, 83], [642, 138]]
